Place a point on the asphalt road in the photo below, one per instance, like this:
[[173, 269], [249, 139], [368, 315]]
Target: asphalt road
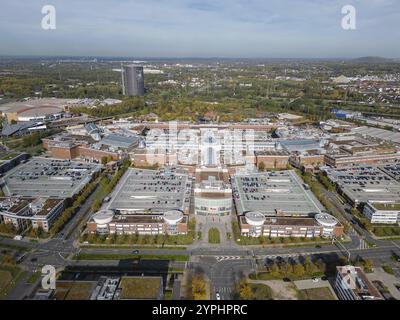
[[224, 265]]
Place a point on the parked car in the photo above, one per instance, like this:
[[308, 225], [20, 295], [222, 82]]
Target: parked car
[[217, 296]]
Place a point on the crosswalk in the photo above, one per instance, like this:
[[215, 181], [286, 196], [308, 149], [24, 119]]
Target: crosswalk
[[222, 290], [363, 244], [223, 258]]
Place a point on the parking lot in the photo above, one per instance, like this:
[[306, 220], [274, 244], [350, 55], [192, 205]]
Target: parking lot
[[141, 191], [269, 192], [44, 177]]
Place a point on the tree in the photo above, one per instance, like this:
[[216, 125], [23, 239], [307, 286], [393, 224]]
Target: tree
[[246, 293], [298, 270], [261, 166], [198, 288], [274, 271]]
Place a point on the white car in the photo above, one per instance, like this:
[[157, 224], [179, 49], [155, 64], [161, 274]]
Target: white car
[[217, 296], [315, 280]]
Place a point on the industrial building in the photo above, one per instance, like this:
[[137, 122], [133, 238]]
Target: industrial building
[[132, 80], [273, 193], [352, 283]]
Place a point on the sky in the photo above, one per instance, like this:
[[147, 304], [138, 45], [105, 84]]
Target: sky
[[201, 28]]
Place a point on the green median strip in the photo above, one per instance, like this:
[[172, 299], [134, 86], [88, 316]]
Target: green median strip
[[129, 247], [171, 257]]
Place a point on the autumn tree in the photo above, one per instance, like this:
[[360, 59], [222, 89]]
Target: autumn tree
[[245, 292], [198, 288]]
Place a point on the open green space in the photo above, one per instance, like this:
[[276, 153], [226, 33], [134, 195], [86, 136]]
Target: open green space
[[90, 256], [214, 236], [316, 294]]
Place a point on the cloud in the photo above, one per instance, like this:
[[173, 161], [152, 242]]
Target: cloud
[[231, 28]]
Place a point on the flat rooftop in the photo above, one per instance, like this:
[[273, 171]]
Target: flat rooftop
[[359, 283], [140, 288], [141, 219], [382, 134], [145, 191], [366, 183], [287, 221], [48, 177], [274, 191]]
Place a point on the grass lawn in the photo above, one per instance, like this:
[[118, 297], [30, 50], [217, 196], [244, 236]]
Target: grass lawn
[[89, 256], [5, 279], [34, 277], [213, 236], [261, 291], [9, 276], [130, 246], [387, 269], [316, 294]]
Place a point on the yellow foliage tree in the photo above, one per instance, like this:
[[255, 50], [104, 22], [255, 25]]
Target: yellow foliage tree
[[198, 288]]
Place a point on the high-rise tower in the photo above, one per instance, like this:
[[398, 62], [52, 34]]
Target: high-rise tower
[[132, 80]]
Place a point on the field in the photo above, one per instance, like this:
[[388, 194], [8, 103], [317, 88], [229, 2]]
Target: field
[[316, 294]]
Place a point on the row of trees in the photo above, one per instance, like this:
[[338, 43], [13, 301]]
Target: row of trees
[[70, 211], [295, 270], [106, 185]]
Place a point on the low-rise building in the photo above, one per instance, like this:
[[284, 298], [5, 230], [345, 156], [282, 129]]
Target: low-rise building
[[212, 193], [23, 212], [387, 213], [272, 159], [255, 224], [168, 223], [352, 283]]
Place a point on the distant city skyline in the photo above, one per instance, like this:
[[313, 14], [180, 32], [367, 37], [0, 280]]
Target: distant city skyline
[[201, 29]]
